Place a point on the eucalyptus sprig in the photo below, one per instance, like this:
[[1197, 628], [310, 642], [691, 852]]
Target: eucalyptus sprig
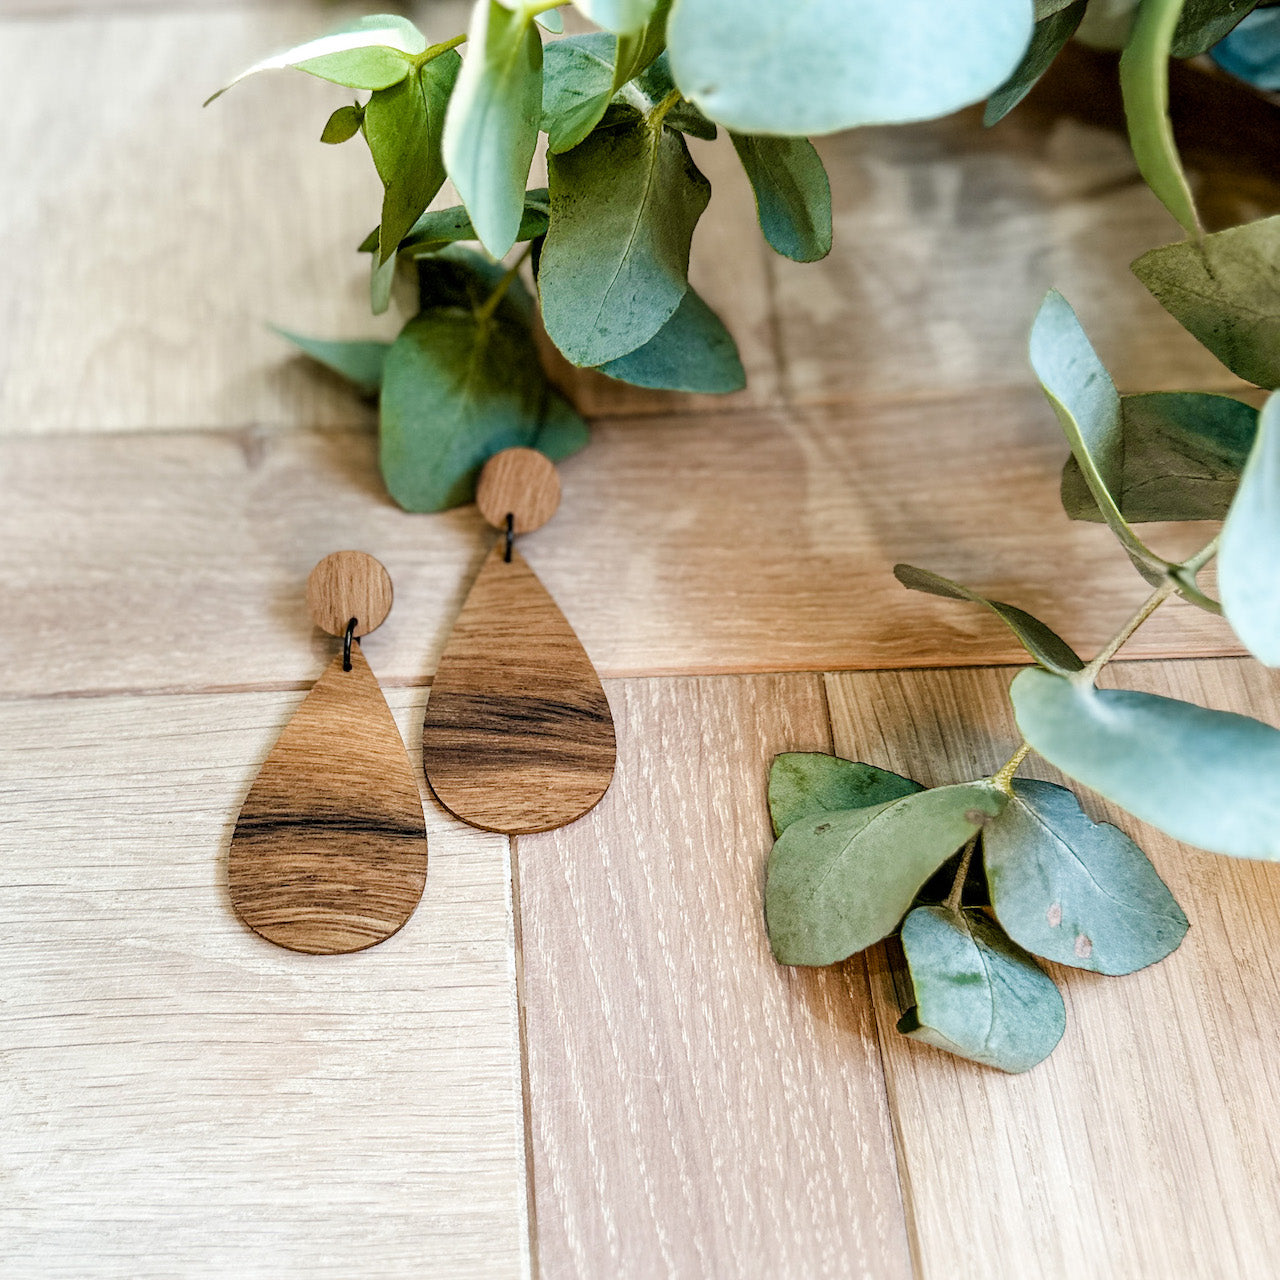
[[979, 878], [610, 236]]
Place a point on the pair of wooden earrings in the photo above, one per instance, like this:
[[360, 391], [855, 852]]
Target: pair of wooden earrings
[[330, 850]]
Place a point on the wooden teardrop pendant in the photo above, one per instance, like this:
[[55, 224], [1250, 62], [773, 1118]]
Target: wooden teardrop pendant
[[518, 734], [330, 849]]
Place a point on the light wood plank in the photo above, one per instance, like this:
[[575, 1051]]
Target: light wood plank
[[182, 1098], [695, 544], [697, 1110], [1147, 1145], [947, 236], [186, 232]]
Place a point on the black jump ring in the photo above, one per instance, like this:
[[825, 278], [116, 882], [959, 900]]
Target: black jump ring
[[511, 536], [346, 645]]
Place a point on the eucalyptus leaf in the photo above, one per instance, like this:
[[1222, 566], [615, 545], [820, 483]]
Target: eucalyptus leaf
[[1181, 457], [361, 363], [652, 87], [837, 882], [1144, 86], [577, 86], [793, 196], [1043, 644], [1225, 289], [1249, 555], [1088, 409], [804, 783], [1052, 31], [693, 351], [618, 15], [460, 385], [615, 264], [371, 53], [440, 227], [342, 125], [760, 66], [403, 126], [492, 125], [1077, 892], [382, 276], [1206, 777], [1203, 23], [978, 995], [550, 20], [637, 49]]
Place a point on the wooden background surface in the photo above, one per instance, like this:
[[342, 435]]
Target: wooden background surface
[[577, 1059]]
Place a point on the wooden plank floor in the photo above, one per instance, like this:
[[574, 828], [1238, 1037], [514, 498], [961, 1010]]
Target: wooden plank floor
[[578, 1059]]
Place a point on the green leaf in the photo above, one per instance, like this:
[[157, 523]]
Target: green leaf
[[460, 386], [1043, 644], [838, 882], [1052, 31], [804, 783], [615, 265], [1144, 86], [550, 21], [1225, 289], [637, 49], [793, 196], [360, 363], [1088, 409], [439, 227], [1206, 777], [978, 995], [577, 85], [492, 126], [618, 15], [820, 67], [1181, 457], [402, 126], [1077, 892], [371, 53], [1249, 557], [382, 277], [693, 351], [343, 124], [1203, 23]]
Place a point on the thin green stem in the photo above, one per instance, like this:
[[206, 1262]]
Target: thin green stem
[[435, 50], [957, 885], [490, 304], [1003, 777], [659, 112]]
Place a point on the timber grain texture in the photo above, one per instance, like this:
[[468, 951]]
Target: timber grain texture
[[580, 1060], [518, 735]]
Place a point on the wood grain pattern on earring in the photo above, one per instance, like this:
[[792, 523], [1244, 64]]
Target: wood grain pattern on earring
[[522, 483], [518, 734], [346, 585], [330, 849]]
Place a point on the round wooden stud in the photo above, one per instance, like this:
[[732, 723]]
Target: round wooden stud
[[346, 585], [522, 483]]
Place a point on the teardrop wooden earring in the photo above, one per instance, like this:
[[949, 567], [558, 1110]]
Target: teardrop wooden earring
[[518, 735], [330, 849]]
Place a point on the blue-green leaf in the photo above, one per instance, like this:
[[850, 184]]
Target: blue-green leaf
[[1206, 777], [1041, 642], [837, 882], [492, 126], [1052, 31], [978, 995], [1225, 289], [793, 196], [1088, 409], [361, 363], [758, 66], [1077, 892], [693, 351], [577, 85], [1181, 457], [1249, 556], [804, 783], [618, 15], [403, 126], [615, 265], [371, 53], [1203, 23], [460, 385], [636, 49]]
